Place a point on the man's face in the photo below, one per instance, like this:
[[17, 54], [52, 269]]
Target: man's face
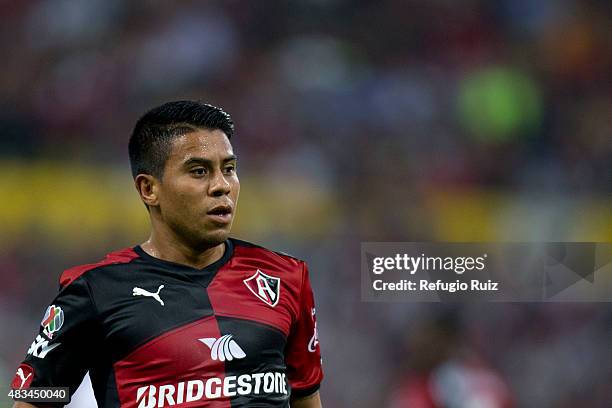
[[199, 190]]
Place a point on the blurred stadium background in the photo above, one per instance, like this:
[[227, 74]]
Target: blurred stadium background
[[356, 121]]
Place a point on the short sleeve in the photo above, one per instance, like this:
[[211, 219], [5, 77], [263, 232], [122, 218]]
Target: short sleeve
[[61, 353], [303, 353]]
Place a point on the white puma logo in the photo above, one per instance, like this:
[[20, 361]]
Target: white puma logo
[[23, 379], [142, 292]]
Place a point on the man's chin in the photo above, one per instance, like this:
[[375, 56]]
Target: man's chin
[[214, 238]]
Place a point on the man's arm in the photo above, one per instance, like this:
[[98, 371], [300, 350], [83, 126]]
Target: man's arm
[[310, 401], [60, 354], [303, 352]]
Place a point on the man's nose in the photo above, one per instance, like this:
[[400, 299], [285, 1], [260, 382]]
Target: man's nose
[[219, 185]]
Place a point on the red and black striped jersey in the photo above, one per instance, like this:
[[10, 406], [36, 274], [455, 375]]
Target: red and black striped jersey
[[153, 333]]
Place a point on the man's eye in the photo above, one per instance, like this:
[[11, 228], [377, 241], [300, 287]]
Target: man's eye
[[199, 171], [230, 169]]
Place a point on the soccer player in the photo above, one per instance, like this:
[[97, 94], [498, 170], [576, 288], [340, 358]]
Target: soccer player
[[190, 317]]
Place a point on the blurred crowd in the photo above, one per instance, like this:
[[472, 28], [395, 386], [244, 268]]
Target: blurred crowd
[[398, 120]]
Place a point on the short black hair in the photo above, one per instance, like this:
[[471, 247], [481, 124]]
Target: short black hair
[[151, 139]]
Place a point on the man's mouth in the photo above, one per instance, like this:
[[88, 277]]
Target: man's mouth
[[221, 213]]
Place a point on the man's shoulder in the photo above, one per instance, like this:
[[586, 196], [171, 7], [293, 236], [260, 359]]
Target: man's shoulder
[[246, 248], [121, 256]]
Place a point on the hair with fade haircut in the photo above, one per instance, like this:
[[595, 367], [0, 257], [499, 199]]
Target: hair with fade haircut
[[152, 137]]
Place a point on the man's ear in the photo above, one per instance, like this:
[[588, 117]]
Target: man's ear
[[148, 188]]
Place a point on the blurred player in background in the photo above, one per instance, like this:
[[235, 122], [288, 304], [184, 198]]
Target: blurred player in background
[[445, 373], [190, 316]]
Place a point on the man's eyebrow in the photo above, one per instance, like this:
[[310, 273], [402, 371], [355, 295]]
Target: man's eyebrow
[[208, 162]]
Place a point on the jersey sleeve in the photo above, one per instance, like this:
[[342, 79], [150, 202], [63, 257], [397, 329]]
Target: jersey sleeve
[[303, 353], [61, 353]]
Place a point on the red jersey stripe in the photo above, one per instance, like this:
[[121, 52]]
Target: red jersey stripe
[[121, 256]]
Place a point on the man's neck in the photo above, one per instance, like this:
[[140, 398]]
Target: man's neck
[[173, 250]]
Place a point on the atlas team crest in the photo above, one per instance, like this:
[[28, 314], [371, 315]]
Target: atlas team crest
[[265, 287]]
